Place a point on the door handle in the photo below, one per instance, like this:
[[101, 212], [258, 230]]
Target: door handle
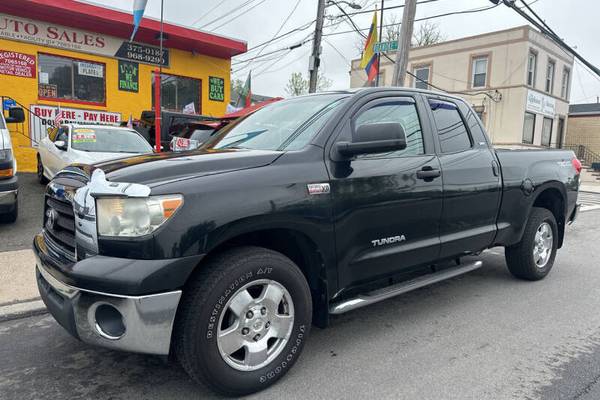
[[428, 174]]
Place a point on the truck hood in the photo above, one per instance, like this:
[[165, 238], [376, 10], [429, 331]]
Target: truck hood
[[155, 169]]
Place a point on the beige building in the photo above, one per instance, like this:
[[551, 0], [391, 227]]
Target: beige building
[[517, 80], [583, 134]]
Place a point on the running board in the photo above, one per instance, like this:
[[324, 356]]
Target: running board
[[400, 288]]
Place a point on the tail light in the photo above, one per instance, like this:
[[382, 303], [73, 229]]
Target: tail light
[[576, 164]]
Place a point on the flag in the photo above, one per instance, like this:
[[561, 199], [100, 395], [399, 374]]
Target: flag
[[369, 59], [130, 122], [245, 99], [58, 117], [138, 12]]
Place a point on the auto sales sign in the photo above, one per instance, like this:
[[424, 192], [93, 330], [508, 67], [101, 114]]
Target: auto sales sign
[[17, 64]]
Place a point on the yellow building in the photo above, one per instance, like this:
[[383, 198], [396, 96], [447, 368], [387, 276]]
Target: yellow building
[[77, 56]]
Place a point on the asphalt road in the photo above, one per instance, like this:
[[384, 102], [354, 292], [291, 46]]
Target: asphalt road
[[19, 235], [484, 335]]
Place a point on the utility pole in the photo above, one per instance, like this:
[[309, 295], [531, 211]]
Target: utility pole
[[313, 67], [380, 40], [406, 32]]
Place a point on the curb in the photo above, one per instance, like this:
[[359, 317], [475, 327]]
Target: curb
[[22, 310]]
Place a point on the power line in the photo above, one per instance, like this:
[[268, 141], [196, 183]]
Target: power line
[[220, 17], [239, 15], [280, 27], [219, 3]]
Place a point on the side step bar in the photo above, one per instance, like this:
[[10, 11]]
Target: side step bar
[[400, 288]]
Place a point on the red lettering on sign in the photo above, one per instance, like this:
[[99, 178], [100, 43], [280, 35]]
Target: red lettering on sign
[[52, 32], [17, 64]]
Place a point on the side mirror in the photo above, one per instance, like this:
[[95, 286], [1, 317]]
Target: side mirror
[[374, 138], [15, 115], [61, 145]]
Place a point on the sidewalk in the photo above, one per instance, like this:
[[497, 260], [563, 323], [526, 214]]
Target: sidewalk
[[18, 289]]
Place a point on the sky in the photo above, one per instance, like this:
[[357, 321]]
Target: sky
[[258, 21]]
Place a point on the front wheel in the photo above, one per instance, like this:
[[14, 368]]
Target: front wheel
[[533, 257], [243, 320], [40, 171]]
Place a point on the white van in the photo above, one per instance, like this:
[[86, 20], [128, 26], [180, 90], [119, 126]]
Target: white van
[[9, 184]]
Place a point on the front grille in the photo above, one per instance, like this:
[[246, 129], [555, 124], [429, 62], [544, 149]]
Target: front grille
[[60, 228]]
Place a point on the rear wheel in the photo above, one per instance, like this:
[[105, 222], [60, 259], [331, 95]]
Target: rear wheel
[[533, 257], [40, 171], [243, 320]]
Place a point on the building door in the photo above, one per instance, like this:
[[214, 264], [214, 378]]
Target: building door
[[386, 215], [561, 133]]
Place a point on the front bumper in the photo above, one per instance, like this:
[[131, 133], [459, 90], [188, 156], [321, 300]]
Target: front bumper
[[9, 190]]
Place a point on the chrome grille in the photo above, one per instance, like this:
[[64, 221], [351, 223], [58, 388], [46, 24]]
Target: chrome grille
[[59, 226]]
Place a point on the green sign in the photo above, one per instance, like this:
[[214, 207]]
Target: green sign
[[383, 47], [128, 76], [216, 89]]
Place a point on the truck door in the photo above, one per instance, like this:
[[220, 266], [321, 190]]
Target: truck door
[[471, 176], [386, 210]]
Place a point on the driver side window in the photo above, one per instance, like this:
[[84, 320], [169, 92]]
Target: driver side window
[[62, 135], [402, 112]]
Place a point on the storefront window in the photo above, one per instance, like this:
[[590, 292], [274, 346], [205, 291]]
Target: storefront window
[[547, 132], [71, 79], [528, 128], [179, 93]]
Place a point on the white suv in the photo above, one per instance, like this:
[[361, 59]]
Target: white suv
[[9, 185]]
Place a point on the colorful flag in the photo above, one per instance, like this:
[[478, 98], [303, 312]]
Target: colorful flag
[[138, 12], [370, 60], [58, 117], [245, 99]]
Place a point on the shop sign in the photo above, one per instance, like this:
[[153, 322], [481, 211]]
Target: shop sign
[[540, 103], [62, 37], [216, 88], [89, 69], [38, 127], [128, 76], [143, 53], [17, 64], [8, 104], [47, 90]]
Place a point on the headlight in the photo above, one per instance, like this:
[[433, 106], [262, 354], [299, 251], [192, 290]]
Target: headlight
[[132, 216], [6, 155]]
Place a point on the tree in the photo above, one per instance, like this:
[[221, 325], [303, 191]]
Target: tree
[[237, 87], [427, 34], [298, 85]]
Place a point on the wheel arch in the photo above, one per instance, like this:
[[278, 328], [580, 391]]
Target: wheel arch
[[553, 197]]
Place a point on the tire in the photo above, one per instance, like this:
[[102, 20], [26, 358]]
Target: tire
[[206, 312], [524, 260], [40, 171]]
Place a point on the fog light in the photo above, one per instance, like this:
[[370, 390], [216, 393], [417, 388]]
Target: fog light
[[109, 322]]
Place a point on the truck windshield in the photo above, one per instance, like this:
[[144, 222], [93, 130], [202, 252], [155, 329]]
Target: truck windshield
[[103, 140], [285, 125]]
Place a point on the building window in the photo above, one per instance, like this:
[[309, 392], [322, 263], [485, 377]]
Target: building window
[[564, 88], [179, 93], [70, 79], [480, 67], [547, 132], [528, 128], [452, 131], [531, 68], [550, 76], [422, 74]]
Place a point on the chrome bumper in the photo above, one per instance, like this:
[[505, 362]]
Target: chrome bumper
[[146, 321], [8, 198]]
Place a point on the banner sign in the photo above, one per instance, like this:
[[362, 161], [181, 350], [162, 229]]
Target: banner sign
[[128, 76], [143, 53], [38, 127], [216, 88], [17, 64], [540, 103], [62, 37]]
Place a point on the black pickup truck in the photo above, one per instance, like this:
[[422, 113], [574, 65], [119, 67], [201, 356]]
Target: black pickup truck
[[223, 257]]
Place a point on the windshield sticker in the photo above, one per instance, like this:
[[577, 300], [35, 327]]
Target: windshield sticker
[[84, 137], [83, 130]]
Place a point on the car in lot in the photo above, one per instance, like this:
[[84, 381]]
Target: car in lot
[[223, 257], [9, 184], [73, 143]]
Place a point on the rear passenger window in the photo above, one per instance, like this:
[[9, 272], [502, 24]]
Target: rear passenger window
[[402, 112], [452, 131]]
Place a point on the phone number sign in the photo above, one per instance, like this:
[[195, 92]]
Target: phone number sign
[[143, 53], [17, 64]]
